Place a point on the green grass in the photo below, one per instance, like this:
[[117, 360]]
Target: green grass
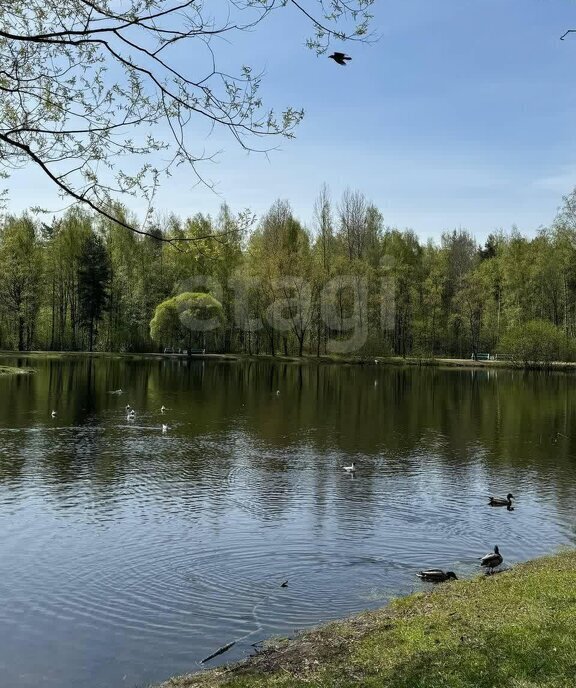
[[11, 370], [515, 629], [308, 358], [324, 359]]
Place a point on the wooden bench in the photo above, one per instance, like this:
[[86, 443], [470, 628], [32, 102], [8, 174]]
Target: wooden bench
[[482, 357]]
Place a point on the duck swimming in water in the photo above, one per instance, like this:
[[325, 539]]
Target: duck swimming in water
[[436, 575], [501, 501], [350, 469], [492, 560]]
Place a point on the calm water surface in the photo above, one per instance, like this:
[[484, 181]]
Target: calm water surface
[[127, 556]]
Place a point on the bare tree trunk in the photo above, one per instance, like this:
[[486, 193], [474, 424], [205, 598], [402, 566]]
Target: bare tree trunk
[[20, 332], [53, 317]]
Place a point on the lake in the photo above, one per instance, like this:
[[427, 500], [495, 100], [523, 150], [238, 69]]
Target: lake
[[128, 554]]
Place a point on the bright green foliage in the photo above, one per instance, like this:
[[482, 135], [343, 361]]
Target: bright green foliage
[[60, 327], [176, 320], [165, 326], [281, 265], [20, 280], [350, 285], [536, 341]]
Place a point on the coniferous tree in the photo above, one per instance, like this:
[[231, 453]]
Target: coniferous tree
[[93, 283]]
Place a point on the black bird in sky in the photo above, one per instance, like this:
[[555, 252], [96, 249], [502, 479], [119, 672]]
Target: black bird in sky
[[340, 58]]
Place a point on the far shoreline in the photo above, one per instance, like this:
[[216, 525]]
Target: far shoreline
[[309, 359]]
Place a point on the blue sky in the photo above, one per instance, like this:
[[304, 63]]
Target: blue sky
[[463, 114]]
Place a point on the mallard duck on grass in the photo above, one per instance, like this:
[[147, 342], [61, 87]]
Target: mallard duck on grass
[[502, 501], [492, 560], [436, 575]]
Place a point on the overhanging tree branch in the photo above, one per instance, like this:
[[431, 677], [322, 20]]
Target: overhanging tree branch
[[102, 85]]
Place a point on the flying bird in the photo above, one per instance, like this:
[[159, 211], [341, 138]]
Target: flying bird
[[340, 58]]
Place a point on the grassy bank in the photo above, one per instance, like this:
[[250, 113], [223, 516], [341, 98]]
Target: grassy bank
[[514, 629], [11, 370], [304, 360]]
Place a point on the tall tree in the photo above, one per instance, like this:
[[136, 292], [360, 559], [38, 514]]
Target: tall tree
[[324, 225], [282, 263], [93, 282], [20, 277], [352, 210]]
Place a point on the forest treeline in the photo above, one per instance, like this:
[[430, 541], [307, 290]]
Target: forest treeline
[[86, 283]]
